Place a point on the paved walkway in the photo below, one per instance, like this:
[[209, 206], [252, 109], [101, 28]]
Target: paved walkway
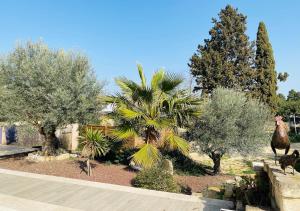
[[28, 191]]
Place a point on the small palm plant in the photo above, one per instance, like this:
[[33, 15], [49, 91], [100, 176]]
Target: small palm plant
[[153, 113], [93, 144]]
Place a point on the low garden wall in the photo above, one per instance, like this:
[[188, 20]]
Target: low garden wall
[[284, 189]]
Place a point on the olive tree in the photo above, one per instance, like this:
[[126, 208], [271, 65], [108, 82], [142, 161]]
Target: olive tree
[[230, 122], [48, 89]]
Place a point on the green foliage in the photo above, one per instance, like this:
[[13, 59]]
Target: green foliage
[[282, 76], [28, 136], [153, 113], [231, 123], [291, 105], [293, 95], [226, 58], [48, 88], [93, 144], [266, 80], [253, 190], [119, 154], [294, 138], [156, 179]]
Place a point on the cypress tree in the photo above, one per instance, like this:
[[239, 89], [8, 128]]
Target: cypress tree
[[266, 80], [227, 58]]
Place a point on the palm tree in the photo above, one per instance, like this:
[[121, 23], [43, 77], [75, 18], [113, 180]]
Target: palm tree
[[93, 144], [153, 113]]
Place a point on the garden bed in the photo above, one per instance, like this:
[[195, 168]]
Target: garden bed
[[102, 172]]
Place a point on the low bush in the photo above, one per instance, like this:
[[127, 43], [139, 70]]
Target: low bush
[[118, 154], [156, 179]]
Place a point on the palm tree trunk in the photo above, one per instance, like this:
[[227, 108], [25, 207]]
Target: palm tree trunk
[[89, 168]]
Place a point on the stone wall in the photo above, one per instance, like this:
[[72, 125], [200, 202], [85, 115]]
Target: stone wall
[[68, 137], [285, 189]]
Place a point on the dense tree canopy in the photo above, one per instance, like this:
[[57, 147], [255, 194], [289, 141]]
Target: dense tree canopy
[[226, 59], [47, 89], [266, 76]]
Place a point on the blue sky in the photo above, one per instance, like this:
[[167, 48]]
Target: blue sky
[[116, 35]]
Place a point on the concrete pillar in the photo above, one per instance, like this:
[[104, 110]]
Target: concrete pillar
[[3, 136], [75, 135]]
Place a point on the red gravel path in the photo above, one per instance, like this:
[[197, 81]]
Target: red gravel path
[[114, 174]]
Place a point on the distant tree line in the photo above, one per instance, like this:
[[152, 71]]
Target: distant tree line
[[229, 59]]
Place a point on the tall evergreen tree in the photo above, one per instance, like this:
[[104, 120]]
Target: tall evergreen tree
[[266, 77], [227, 58]]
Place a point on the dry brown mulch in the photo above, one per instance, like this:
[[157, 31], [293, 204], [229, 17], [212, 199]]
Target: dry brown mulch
[[198, 184], [113, 174]]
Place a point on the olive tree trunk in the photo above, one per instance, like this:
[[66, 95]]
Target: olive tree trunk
[[216, 157], [51, 142]]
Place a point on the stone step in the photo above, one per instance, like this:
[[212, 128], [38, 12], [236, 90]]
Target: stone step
[[251, 208], [216, 204]]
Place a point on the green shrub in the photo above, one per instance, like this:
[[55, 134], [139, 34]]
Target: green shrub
[[119, 154], [156, 179], [294, 138]]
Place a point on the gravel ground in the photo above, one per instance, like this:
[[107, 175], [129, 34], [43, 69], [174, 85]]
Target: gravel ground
[[113, 174]]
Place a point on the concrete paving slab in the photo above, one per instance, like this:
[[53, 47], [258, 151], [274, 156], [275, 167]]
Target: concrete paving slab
[[73, 194]]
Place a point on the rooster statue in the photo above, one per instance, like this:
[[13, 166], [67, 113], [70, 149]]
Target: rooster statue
[[280, 139]]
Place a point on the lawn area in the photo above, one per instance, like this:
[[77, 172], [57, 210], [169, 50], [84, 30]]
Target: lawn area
[[241, 165]]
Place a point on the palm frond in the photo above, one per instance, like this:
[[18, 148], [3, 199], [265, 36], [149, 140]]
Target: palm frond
[[143, 95], [142, 75], [147, 156], [124, 133], [174, 142], [129, 113], [127, 86], [151, 122], [170, 82], [157, 78]]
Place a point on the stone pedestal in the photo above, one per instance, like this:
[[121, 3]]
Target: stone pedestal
[[229, 187], [167, 165], [285, 189]]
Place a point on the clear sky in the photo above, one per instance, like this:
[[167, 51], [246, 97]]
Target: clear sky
[[116, 35]]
